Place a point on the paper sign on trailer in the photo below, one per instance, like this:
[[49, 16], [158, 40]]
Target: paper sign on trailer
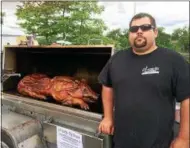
[[68, 139]]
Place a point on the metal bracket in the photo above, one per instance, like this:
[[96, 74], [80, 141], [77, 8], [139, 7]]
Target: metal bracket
[[7, 76], [49, 119], [97, 134]]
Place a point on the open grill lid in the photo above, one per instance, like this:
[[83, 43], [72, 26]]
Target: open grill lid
[[9, 53]]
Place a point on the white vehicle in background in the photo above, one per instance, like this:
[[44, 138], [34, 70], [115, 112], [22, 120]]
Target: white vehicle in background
[[63, 42]]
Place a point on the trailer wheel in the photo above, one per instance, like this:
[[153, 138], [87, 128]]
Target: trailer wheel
[[7, 141], [4, 145]]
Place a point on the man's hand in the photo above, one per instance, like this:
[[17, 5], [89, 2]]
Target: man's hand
[[182, 140], [180, 143], [106, 126]]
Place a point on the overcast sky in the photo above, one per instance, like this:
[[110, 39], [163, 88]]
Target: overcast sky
[[118, 14]]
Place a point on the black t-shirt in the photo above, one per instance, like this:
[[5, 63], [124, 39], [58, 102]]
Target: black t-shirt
[[145, 89]]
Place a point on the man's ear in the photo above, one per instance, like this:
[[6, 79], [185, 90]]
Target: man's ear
[[156, 32]]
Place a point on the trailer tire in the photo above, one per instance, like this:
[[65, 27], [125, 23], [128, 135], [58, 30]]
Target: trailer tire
[[7, 141]]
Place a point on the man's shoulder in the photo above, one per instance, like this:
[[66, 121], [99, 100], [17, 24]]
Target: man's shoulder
[[121, 53], [173, 56], [170, 52]]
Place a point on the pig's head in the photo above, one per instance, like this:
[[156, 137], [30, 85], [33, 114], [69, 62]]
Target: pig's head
[[88, 94]]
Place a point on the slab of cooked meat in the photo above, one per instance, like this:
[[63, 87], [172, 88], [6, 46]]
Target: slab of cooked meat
[[35, 85]]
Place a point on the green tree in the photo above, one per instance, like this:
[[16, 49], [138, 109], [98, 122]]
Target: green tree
[[121, 41], [164, 39], [119, 38], [39, 18], [181, 37], [124, 39], [85, 23], [76, 22]]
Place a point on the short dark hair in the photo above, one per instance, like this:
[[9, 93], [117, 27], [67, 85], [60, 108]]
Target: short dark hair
[[141, 15]]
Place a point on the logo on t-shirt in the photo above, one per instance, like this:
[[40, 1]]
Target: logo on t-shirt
[[148, 71]]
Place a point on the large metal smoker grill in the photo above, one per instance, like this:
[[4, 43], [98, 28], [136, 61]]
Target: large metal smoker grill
[[42, 117]]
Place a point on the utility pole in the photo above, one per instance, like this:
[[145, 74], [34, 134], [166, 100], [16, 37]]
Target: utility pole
[[134, 8]]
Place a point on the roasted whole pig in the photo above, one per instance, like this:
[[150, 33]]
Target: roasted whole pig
[[63, 89], [35, 85], [69, 91]]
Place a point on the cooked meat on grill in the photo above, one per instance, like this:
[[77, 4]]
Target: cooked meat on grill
[[72, 92], [63, 89], [64, 78], [35, 85]]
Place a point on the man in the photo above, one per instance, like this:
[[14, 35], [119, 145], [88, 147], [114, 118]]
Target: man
[[142, 84]]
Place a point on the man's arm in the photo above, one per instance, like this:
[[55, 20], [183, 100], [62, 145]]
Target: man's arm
[[107, 99], [106, 125], [184, 120]]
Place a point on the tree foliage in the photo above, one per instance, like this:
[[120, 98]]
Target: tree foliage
[[76, 22], [79, 23], [119, 38], [164, 39], [181, 38], [178, 40]]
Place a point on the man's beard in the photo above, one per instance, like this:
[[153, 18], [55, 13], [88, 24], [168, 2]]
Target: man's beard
[[140, 42]]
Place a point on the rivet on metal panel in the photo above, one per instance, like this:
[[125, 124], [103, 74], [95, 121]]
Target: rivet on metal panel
[[19, 102], [13, 108]]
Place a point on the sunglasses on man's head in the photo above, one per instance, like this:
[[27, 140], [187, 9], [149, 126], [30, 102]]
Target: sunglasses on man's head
[[144, 27]]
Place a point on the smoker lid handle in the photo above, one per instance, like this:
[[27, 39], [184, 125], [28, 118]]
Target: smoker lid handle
[[6, 76]]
